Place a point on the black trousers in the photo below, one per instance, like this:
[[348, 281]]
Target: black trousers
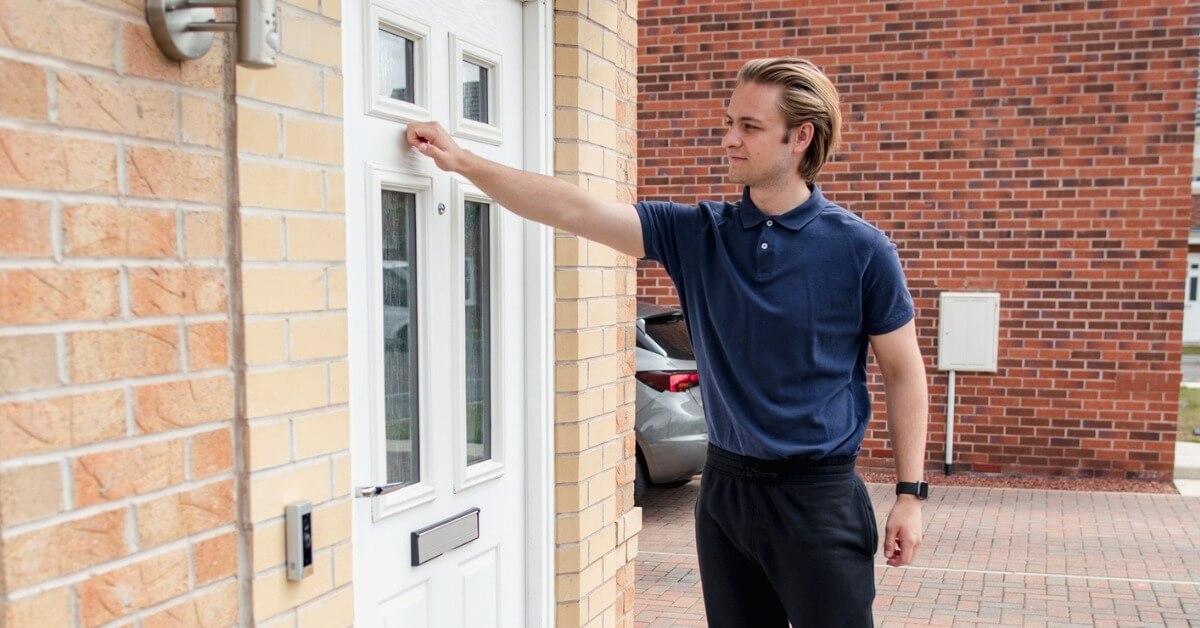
[[785, 541]]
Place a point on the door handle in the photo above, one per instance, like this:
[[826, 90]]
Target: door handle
[[384, 489]]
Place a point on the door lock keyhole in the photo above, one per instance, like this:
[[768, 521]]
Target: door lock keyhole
[[441, 208]]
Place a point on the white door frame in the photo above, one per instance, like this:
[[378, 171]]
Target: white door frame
[[539, 322], [538, 64]]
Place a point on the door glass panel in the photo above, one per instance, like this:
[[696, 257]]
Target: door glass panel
[[396, 67], [399, 337], [475, 92], [477, 273]]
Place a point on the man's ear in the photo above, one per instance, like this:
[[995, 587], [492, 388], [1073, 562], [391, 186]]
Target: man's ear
[[802, 137]]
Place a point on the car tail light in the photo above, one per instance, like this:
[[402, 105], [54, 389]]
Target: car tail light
[[672, 381]]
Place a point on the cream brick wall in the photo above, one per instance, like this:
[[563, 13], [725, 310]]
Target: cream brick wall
[[294, 306], [597, 523], [117, 475]]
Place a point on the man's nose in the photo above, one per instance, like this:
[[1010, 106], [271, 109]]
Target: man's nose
[[730, 139]]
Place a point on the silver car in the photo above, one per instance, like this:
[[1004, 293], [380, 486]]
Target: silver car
[[672, 437]]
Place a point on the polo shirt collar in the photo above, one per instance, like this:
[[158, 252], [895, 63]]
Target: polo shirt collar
[[794, 219]]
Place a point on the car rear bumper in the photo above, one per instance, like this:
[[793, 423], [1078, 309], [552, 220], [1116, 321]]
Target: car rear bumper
[[672, 433], [677, 458]]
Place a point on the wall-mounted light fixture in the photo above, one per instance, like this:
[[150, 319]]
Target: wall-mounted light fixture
[[183, 29]]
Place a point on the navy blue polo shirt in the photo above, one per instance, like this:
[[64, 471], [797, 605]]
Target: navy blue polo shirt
[[779, 309]]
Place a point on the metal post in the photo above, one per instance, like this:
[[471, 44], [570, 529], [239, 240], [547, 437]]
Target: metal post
[[950, 426]]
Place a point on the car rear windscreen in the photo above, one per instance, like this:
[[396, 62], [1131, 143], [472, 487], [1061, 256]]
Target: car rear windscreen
[[671, 334]]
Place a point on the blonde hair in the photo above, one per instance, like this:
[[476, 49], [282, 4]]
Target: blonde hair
[[808, 96]]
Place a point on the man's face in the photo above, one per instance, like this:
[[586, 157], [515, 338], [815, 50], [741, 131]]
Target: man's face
[[760, 147]]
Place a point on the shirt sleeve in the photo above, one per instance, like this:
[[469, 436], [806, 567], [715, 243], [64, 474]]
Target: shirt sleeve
[[662, 223], [887, 304]]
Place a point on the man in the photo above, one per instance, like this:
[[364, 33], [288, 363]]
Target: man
[[782, 291]]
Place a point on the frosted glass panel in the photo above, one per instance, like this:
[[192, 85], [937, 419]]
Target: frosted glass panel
[[477, 277], [396, 67], [400, 370]]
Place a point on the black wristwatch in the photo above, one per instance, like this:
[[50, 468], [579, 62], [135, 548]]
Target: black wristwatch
[[920, 489]]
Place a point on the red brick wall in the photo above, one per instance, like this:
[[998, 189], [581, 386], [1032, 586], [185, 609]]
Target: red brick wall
[[1039, 149]]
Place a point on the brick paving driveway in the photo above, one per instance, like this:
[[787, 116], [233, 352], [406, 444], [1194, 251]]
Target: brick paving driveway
[[1012, 557]]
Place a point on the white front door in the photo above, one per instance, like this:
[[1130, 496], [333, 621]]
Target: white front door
[[1191, 306], [438, 278]]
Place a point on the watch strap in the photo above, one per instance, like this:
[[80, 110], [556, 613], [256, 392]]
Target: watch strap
[[920, 489]]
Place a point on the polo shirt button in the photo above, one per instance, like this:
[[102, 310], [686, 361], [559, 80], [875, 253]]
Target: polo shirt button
[[764, 245], [770, 223]]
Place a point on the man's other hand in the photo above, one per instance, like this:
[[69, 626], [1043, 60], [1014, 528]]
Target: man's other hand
[[431, 140], [902, 535]]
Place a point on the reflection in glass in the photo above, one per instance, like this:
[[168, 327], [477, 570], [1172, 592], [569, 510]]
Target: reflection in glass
[[478, 329], [396, 67], [399, 337], [475, 92]]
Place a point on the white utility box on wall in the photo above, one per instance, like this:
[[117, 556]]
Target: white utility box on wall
[[968, 331], [968, 340]]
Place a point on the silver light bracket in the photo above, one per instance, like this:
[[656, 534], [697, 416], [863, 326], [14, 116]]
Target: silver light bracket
[[183, 29]]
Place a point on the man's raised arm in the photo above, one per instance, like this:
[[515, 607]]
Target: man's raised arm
[[534, 196]]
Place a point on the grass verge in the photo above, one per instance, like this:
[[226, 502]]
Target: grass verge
[[1189, 414]]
